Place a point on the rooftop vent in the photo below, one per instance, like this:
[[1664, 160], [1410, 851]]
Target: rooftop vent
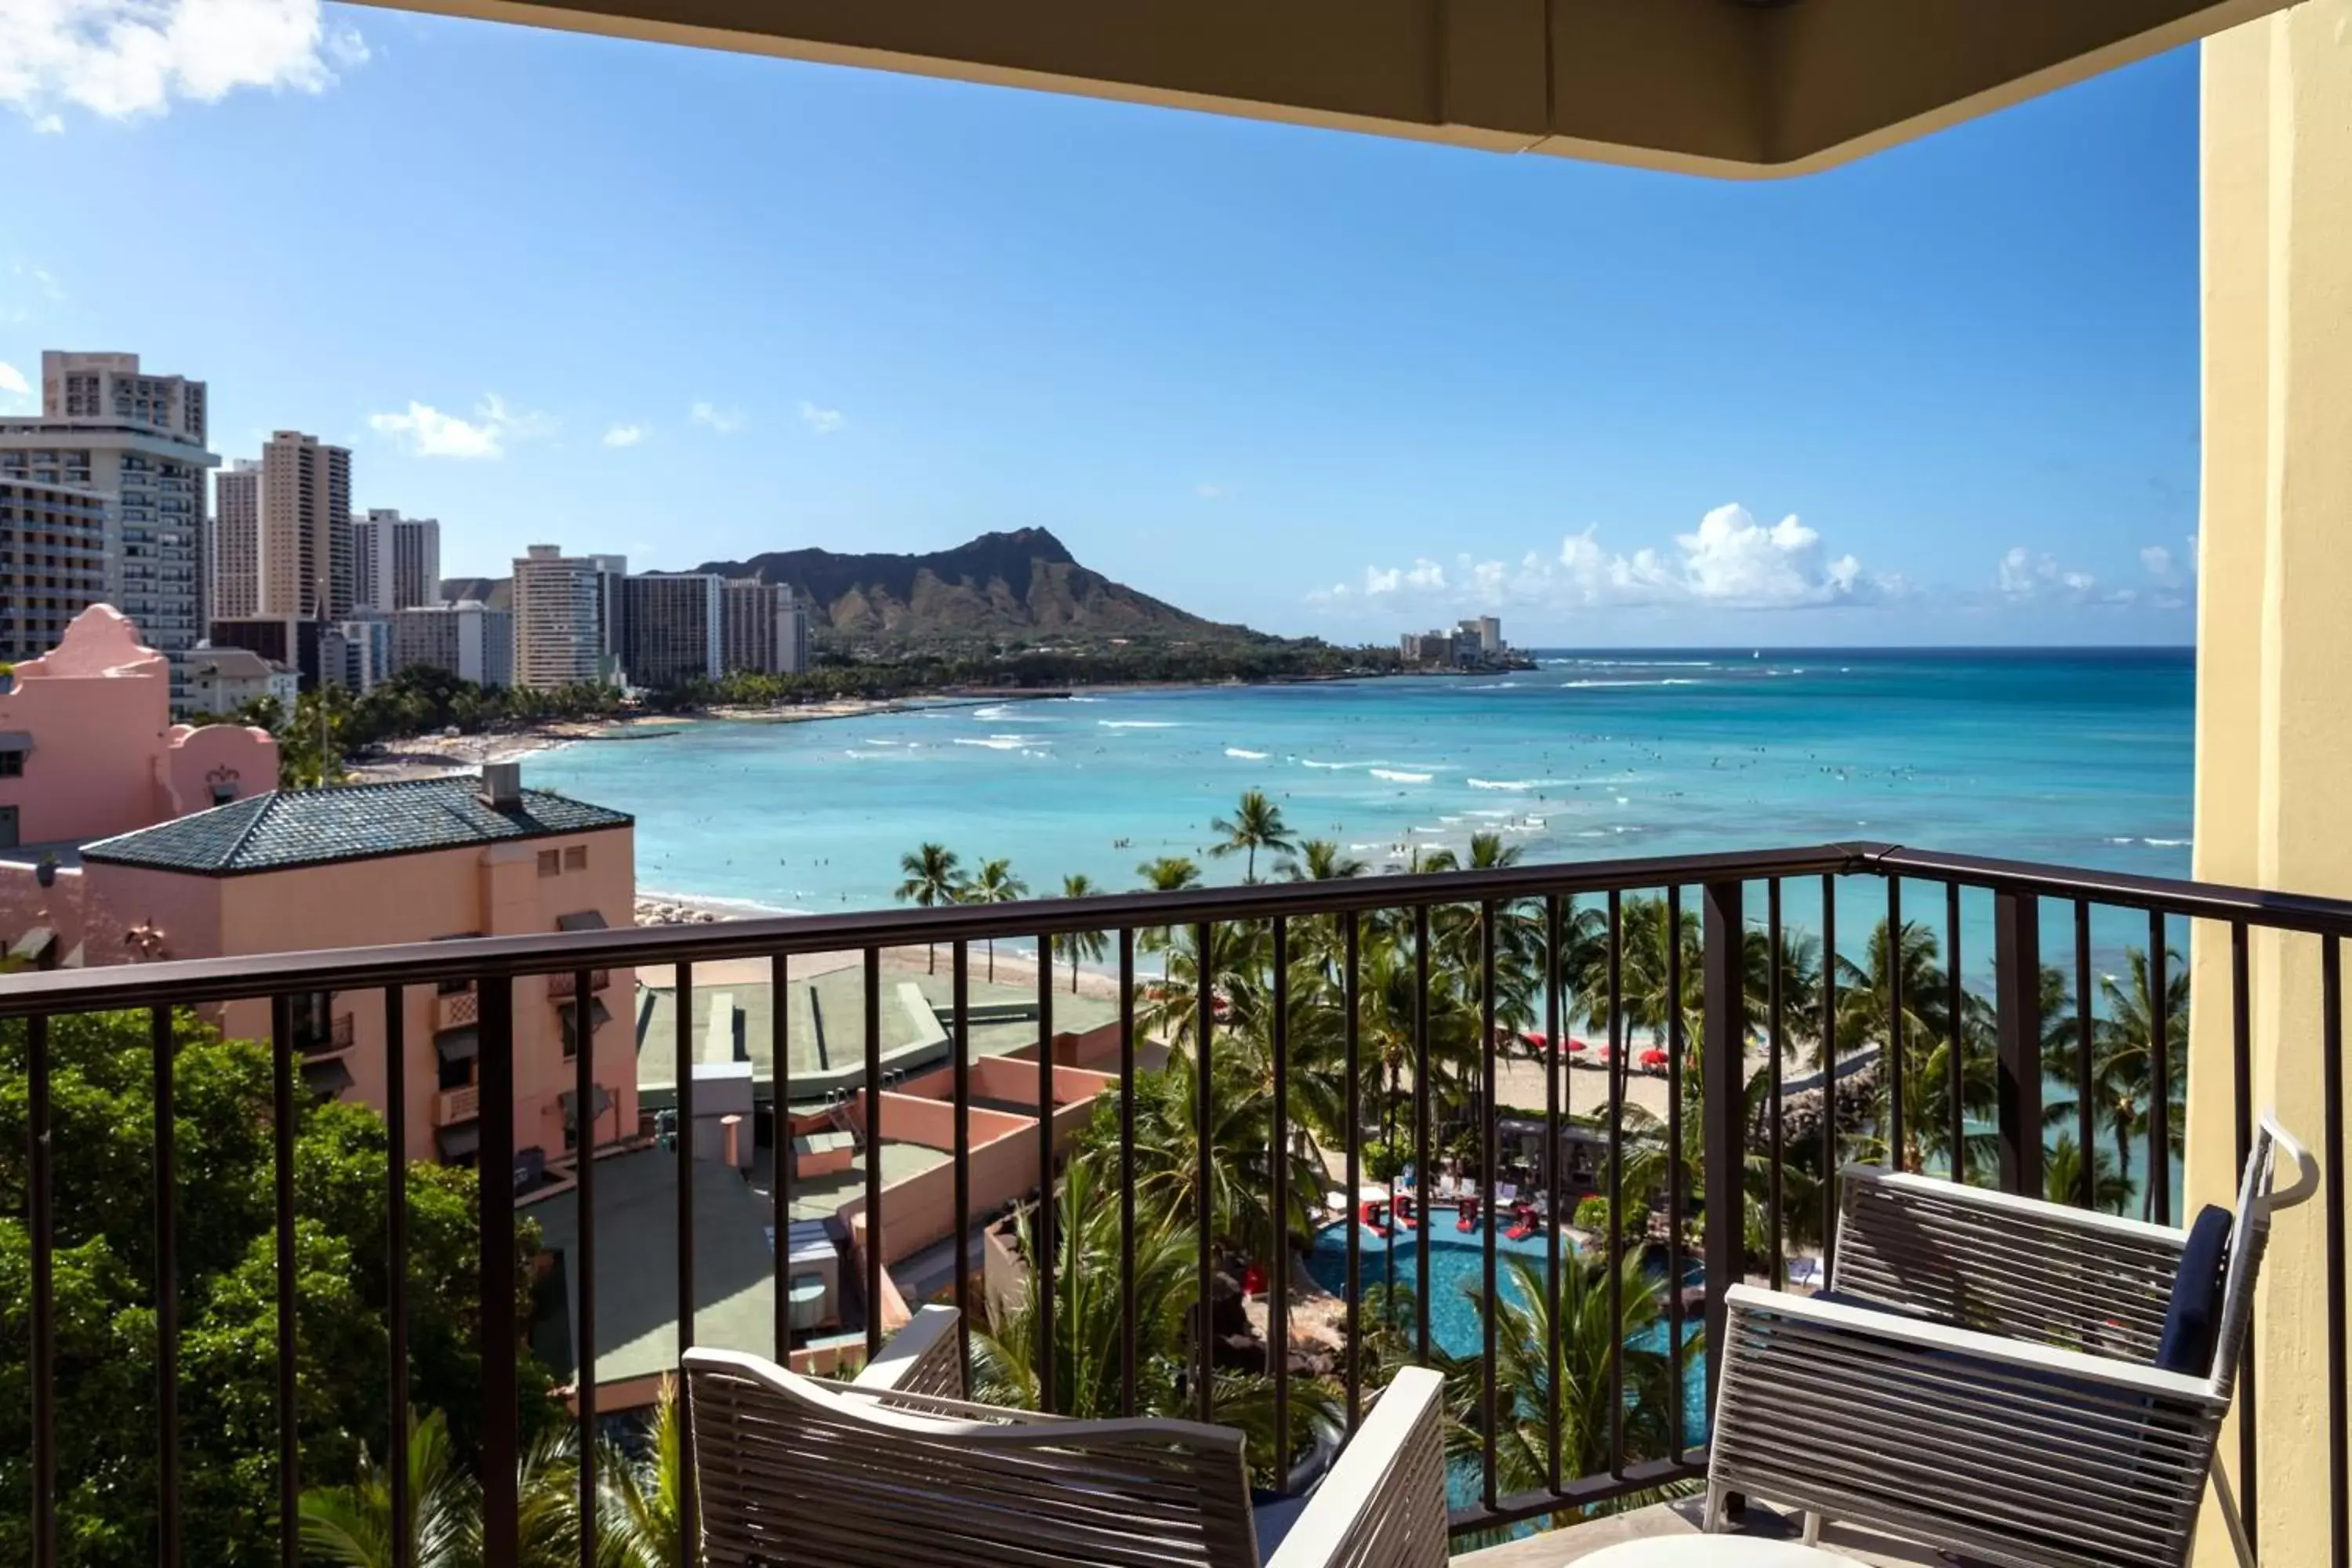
[[502, 785]]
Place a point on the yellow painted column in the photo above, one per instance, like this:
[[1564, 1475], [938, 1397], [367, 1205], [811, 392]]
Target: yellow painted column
[[2275, 672]]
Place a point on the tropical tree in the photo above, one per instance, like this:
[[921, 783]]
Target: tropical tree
[[2062, 1177], [1321, 860], [1080, 944], [352, 1526], [1089, 1322], [641, 1494], [933, 877], [1528, 1317], [1256, 824], [2123, 1063], [995, 883]]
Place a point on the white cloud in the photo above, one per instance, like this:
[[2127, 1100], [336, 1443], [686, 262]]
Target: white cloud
[[13, 384], [726, 421], [1729, 561], [124, 58], [625, 435], [1207, 491], [823, 420], [429, 433]]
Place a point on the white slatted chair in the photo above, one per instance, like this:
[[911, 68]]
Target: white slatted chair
[[896, 1469], [1987, 1386]]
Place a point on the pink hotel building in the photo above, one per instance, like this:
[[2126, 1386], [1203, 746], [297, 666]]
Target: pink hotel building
[[125, 837]]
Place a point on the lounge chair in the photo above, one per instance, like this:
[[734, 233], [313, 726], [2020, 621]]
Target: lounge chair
[[896, 1467], [2016, 1382]]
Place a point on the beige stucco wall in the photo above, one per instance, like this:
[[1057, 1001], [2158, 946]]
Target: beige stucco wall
[[2274, 668]]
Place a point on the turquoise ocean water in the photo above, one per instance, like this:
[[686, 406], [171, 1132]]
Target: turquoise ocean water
[[2082, 757]]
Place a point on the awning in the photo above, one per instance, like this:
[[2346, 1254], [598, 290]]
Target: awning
[[603, 1102], [585, 919], [326, 1076], [458, 1141], [598, 1015], [15, 740], [457, 1045]]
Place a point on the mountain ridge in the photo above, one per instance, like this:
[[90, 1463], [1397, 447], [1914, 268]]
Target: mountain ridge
[[1006, 584]]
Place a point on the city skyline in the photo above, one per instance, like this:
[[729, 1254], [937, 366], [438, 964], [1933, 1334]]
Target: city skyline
[[1945, 395]]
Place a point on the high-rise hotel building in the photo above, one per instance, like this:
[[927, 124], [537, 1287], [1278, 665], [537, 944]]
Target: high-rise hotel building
[[395, 562], [135, 441]]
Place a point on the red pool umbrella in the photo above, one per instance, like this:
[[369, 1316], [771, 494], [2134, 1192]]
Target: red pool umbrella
[[1536, 1040], [1653, 1057], [1576, 1044]]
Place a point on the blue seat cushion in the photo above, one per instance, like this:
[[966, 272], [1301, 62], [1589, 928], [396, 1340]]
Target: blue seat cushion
[[1273, 1514], [2194, 1317]]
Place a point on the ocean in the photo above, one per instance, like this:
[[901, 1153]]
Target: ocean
[[2080, 756]]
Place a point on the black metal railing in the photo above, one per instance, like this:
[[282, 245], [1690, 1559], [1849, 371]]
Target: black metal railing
[[1456, 950]]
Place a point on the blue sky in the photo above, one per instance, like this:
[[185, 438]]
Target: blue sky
[[693, 306]]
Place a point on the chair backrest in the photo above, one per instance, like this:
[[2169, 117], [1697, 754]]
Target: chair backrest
[[789, 1469], [2258, 1197]]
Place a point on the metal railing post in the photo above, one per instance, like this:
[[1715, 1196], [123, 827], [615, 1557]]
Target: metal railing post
[[2017, 981], [1723, 1082]]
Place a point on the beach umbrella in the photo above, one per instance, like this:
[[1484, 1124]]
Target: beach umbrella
[[1653, 1057], [1577, 1044], [1538, 1040]]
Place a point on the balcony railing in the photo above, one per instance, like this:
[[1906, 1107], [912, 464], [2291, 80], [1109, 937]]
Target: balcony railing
[[561, 987], [1376, 1014], [455, 1105], [457, 1009]]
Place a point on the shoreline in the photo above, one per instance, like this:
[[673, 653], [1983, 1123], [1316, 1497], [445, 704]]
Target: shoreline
[[439, 756]]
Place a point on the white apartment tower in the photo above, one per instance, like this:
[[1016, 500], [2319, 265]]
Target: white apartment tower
[[558, 621], [395, 562], [135, 441], [305, 544]]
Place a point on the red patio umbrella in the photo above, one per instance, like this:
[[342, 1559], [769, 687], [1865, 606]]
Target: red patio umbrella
[[1537, 1040], [1653, 1057], [1577, 1044]]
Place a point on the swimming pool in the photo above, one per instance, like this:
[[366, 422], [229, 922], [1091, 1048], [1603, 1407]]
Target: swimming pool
[[1458, 1267]]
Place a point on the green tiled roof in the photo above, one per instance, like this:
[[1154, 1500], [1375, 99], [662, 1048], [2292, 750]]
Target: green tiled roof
[[288, 828]]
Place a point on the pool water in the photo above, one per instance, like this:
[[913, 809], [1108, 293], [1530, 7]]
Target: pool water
[[1456, 1268]]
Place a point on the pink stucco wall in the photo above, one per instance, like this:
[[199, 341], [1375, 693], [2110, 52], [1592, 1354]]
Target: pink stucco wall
[[132, 912], [105, 756]]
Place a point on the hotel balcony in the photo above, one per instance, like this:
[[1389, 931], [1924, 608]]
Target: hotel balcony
[[1470, 1048]]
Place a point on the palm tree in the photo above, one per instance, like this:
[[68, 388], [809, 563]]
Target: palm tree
[[995, 883], [1528, 1315], [638, 1513], [2062, 1177], [2124, 1066], [1256, 824], [1078, 944], [1089, 1320], [1168, 874], [1321, 860], [934, 877], [352, 1526]]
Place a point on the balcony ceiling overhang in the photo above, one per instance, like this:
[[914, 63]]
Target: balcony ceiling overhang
[[1740, 88]]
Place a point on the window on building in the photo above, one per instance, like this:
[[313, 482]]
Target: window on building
[[12, 765], [550, 863], [223, 793], [575, 859]]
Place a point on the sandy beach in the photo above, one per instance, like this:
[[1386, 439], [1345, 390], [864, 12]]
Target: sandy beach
[[435, 756]]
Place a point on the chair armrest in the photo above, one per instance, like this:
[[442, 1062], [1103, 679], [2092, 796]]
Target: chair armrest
[[2007, 1265], [924, 1357], [1382, 1504], [2007, 1451]]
